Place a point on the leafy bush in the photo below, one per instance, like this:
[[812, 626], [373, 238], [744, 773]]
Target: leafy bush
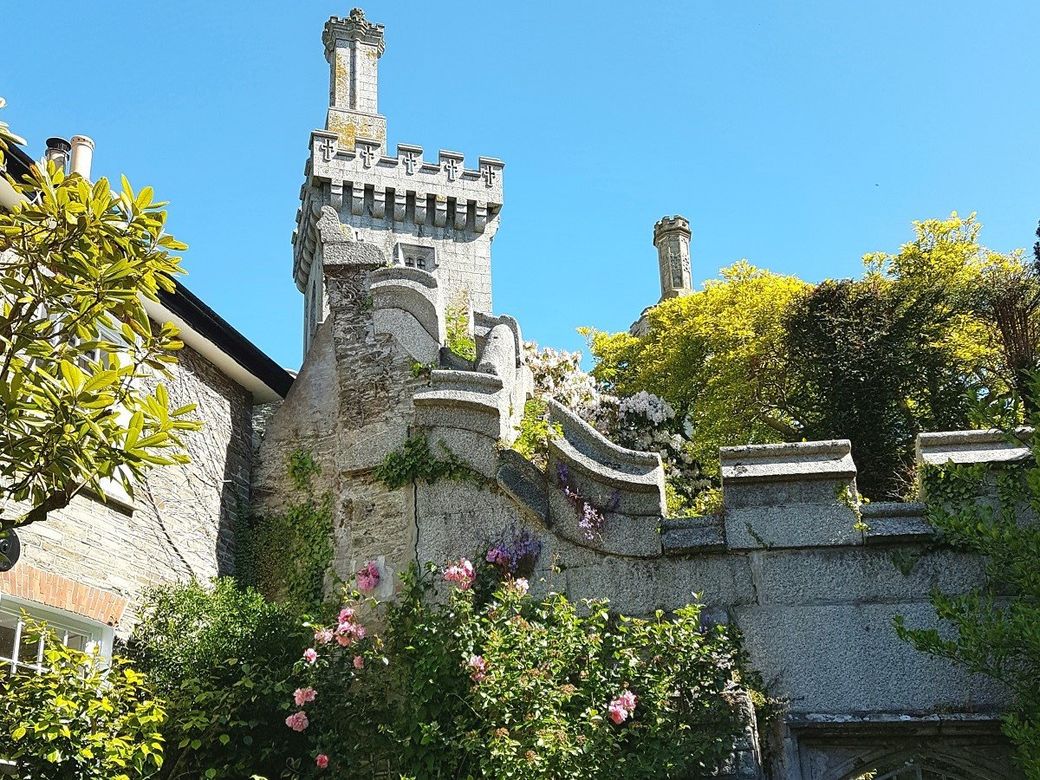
[[76, 720], [995, 627], [222, 659], [507, 686]]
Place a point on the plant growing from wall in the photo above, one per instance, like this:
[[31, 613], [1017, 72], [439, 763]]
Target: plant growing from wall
[[76, 720], [993, 629], [535, 431], [286, 555], [457, 331], [415, 462], [79, 357]]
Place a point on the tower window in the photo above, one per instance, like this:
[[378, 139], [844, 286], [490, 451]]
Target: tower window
[[416, 256]]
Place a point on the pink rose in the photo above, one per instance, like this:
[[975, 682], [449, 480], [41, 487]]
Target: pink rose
[[321, 761], [346, 615], [477, 668], [297, 721], [368, 577], [621, 706], [304, 695], [323, 636], [310, 655], [521, 585], [359, 662], [618, 714]]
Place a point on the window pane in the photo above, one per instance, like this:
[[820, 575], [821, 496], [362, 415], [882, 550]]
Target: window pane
[[7, 629]]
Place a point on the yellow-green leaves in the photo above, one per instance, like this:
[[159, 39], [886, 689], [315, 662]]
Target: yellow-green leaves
[[81, 363]]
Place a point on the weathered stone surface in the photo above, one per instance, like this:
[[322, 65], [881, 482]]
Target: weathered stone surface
[[180, 524], [693, 534], [889, 522], [767, 462], [988, 446], [525, 484]]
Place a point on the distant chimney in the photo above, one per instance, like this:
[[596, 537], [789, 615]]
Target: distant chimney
[[82, 155], [57, 152]]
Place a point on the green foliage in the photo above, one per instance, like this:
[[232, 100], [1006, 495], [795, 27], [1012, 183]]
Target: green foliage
[[221, 659], [716, 356], [286, 555], [302, 467], [508, 686], [756, 357], [76, 720], [993, 629], [415, 462], [78, 354], [874, 364], [535, 431], [458, 332]]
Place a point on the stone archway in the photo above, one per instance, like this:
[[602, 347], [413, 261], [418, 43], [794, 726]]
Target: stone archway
[[916, 765]]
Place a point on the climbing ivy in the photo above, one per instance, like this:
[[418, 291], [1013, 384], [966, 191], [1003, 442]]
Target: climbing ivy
[[414, 462], [286, 555]]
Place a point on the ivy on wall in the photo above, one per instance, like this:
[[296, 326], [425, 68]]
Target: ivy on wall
[[415, 462], [285, 556]]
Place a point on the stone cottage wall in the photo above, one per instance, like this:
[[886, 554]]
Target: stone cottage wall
[[179, 524]]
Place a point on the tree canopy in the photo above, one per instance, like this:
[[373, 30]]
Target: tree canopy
[[758, 357]]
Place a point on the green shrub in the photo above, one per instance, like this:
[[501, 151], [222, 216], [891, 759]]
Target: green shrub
[[535, 431], [513, 687], [76, 720], [222, 659]]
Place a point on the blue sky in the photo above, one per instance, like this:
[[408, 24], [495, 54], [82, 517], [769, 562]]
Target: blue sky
[[796, 135]]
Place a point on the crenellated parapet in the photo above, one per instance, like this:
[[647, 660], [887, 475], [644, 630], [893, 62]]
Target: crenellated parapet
[[438, 216]]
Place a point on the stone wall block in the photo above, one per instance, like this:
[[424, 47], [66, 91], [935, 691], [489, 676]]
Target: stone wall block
[[789, 495]]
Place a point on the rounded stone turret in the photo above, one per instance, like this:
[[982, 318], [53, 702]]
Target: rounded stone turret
[[672, 239]]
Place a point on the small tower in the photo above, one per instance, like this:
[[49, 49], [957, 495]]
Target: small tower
[[672, 239], [353, 47]]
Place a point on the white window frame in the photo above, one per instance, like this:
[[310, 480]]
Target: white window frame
[[60, 621]]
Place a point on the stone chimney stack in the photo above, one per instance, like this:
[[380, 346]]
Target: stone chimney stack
[[672, 239], [353, 47]]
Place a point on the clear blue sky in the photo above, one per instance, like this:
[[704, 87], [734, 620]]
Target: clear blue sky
[[797, 135]]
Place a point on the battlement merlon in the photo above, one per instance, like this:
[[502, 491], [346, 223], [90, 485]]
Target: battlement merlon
[[401, 189]]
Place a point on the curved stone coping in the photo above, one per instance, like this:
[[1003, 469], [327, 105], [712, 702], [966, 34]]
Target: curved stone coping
[[499, 354], [646, 481], [982, 446], [895, 521], [413, 297], [522, 481], [487, 323], [799, 460], [593, 446], [693, 534], [472, 381], [388, 273], [462, 409]]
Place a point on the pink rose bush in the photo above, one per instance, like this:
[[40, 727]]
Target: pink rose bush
[[500, 677]]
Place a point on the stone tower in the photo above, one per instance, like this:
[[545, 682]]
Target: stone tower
[[437, 216], [672, 239]]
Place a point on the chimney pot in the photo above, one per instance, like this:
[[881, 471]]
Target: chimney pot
[[82, 155]]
